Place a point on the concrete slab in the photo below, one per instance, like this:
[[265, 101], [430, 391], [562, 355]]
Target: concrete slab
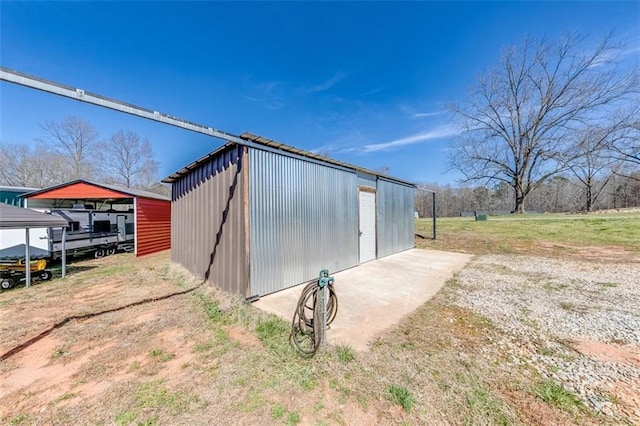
[[376, 295]]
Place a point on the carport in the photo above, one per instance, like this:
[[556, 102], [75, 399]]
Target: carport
[[20, 218], [376, 295], [152, 212]]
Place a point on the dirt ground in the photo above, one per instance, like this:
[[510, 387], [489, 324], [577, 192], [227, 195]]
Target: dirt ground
[[202, 357], [176, 360], [84, 357]]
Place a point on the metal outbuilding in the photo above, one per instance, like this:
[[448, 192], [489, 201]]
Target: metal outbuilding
[[257, 219], [152, 212], [11, 195]]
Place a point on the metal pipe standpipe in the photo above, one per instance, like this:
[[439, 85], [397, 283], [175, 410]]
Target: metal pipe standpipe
[[317, 308]]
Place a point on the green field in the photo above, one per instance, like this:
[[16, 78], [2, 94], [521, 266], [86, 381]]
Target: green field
[[535, 234]]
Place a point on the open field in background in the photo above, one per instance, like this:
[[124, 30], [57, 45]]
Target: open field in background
[[515, 338], [609, 236]]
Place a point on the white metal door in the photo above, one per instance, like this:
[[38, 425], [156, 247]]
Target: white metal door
[[367, 226]]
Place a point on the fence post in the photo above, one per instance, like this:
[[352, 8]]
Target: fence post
[[434, 214]]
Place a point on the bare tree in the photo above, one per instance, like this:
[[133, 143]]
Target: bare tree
[[22, 165], [624, 146], [559, 194], [14, 164], [128, 160], [160, 189], [47, 168], [326, 152], [518, 123], [591, 163], [70, 151], [73, 138], [385, 170]]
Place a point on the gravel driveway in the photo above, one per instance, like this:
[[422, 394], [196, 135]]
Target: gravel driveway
[[577, 323]]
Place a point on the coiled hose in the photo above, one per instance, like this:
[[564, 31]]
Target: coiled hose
[[306, 327]]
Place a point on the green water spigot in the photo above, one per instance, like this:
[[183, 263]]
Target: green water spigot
[[324, 279]]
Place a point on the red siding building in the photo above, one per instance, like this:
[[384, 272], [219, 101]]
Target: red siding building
[[152, 211], [153, 225]]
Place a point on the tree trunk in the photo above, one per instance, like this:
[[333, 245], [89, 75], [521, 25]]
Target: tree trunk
[[520, 196]]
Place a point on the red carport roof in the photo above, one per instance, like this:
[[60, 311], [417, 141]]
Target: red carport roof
[[84, 189]]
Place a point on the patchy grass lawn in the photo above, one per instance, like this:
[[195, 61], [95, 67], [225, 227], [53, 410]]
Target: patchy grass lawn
[[204, 357], [196, 358], [607, 236]]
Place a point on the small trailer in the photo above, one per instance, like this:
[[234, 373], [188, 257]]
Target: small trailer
[[141, 218], [12, 273], [92, 231], [89, 231], [80, 243]]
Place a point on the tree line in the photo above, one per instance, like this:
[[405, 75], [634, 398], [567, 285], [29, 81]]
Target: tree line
[[72, 149], [550, 115], [560, 194]]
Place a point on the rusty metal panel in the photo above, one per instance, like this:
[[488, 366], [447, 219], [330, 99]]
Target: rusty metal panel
[[208, 215], [395, 221], [303, 218], [153, 225]]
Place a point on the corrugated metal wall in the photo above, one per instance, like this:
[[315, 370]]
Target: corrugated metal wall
[[395, 222], [208, 215], [303, 218], [12, 197], [367, 180], [153, 225]]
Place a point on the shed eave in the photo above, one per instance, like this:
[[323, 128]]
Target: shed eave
[[260, 142], [186, 169]]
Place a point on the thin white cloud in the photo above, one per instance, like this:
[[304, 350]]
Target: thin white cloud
[[424, 110], [440, 132], [270, 104], [327, 84], [323, 149], [373, 91], [427, 114], [268, 94], [632, 51], [268, 87], [604, 60], [615, 55], [346, 150]]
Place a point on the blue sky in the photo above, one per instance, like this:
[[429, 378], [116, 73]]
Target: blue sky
[[366, 82]]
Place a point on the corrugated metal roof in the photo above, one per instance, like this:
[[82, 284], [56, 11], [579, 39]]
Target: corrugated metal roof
[[285, 150], [20, 218], [186, 169], [17, 189], [131, 192]]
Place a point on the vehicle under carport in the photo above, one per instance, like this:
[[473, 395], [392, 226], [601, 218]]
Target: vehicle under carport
[[20, 218]]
